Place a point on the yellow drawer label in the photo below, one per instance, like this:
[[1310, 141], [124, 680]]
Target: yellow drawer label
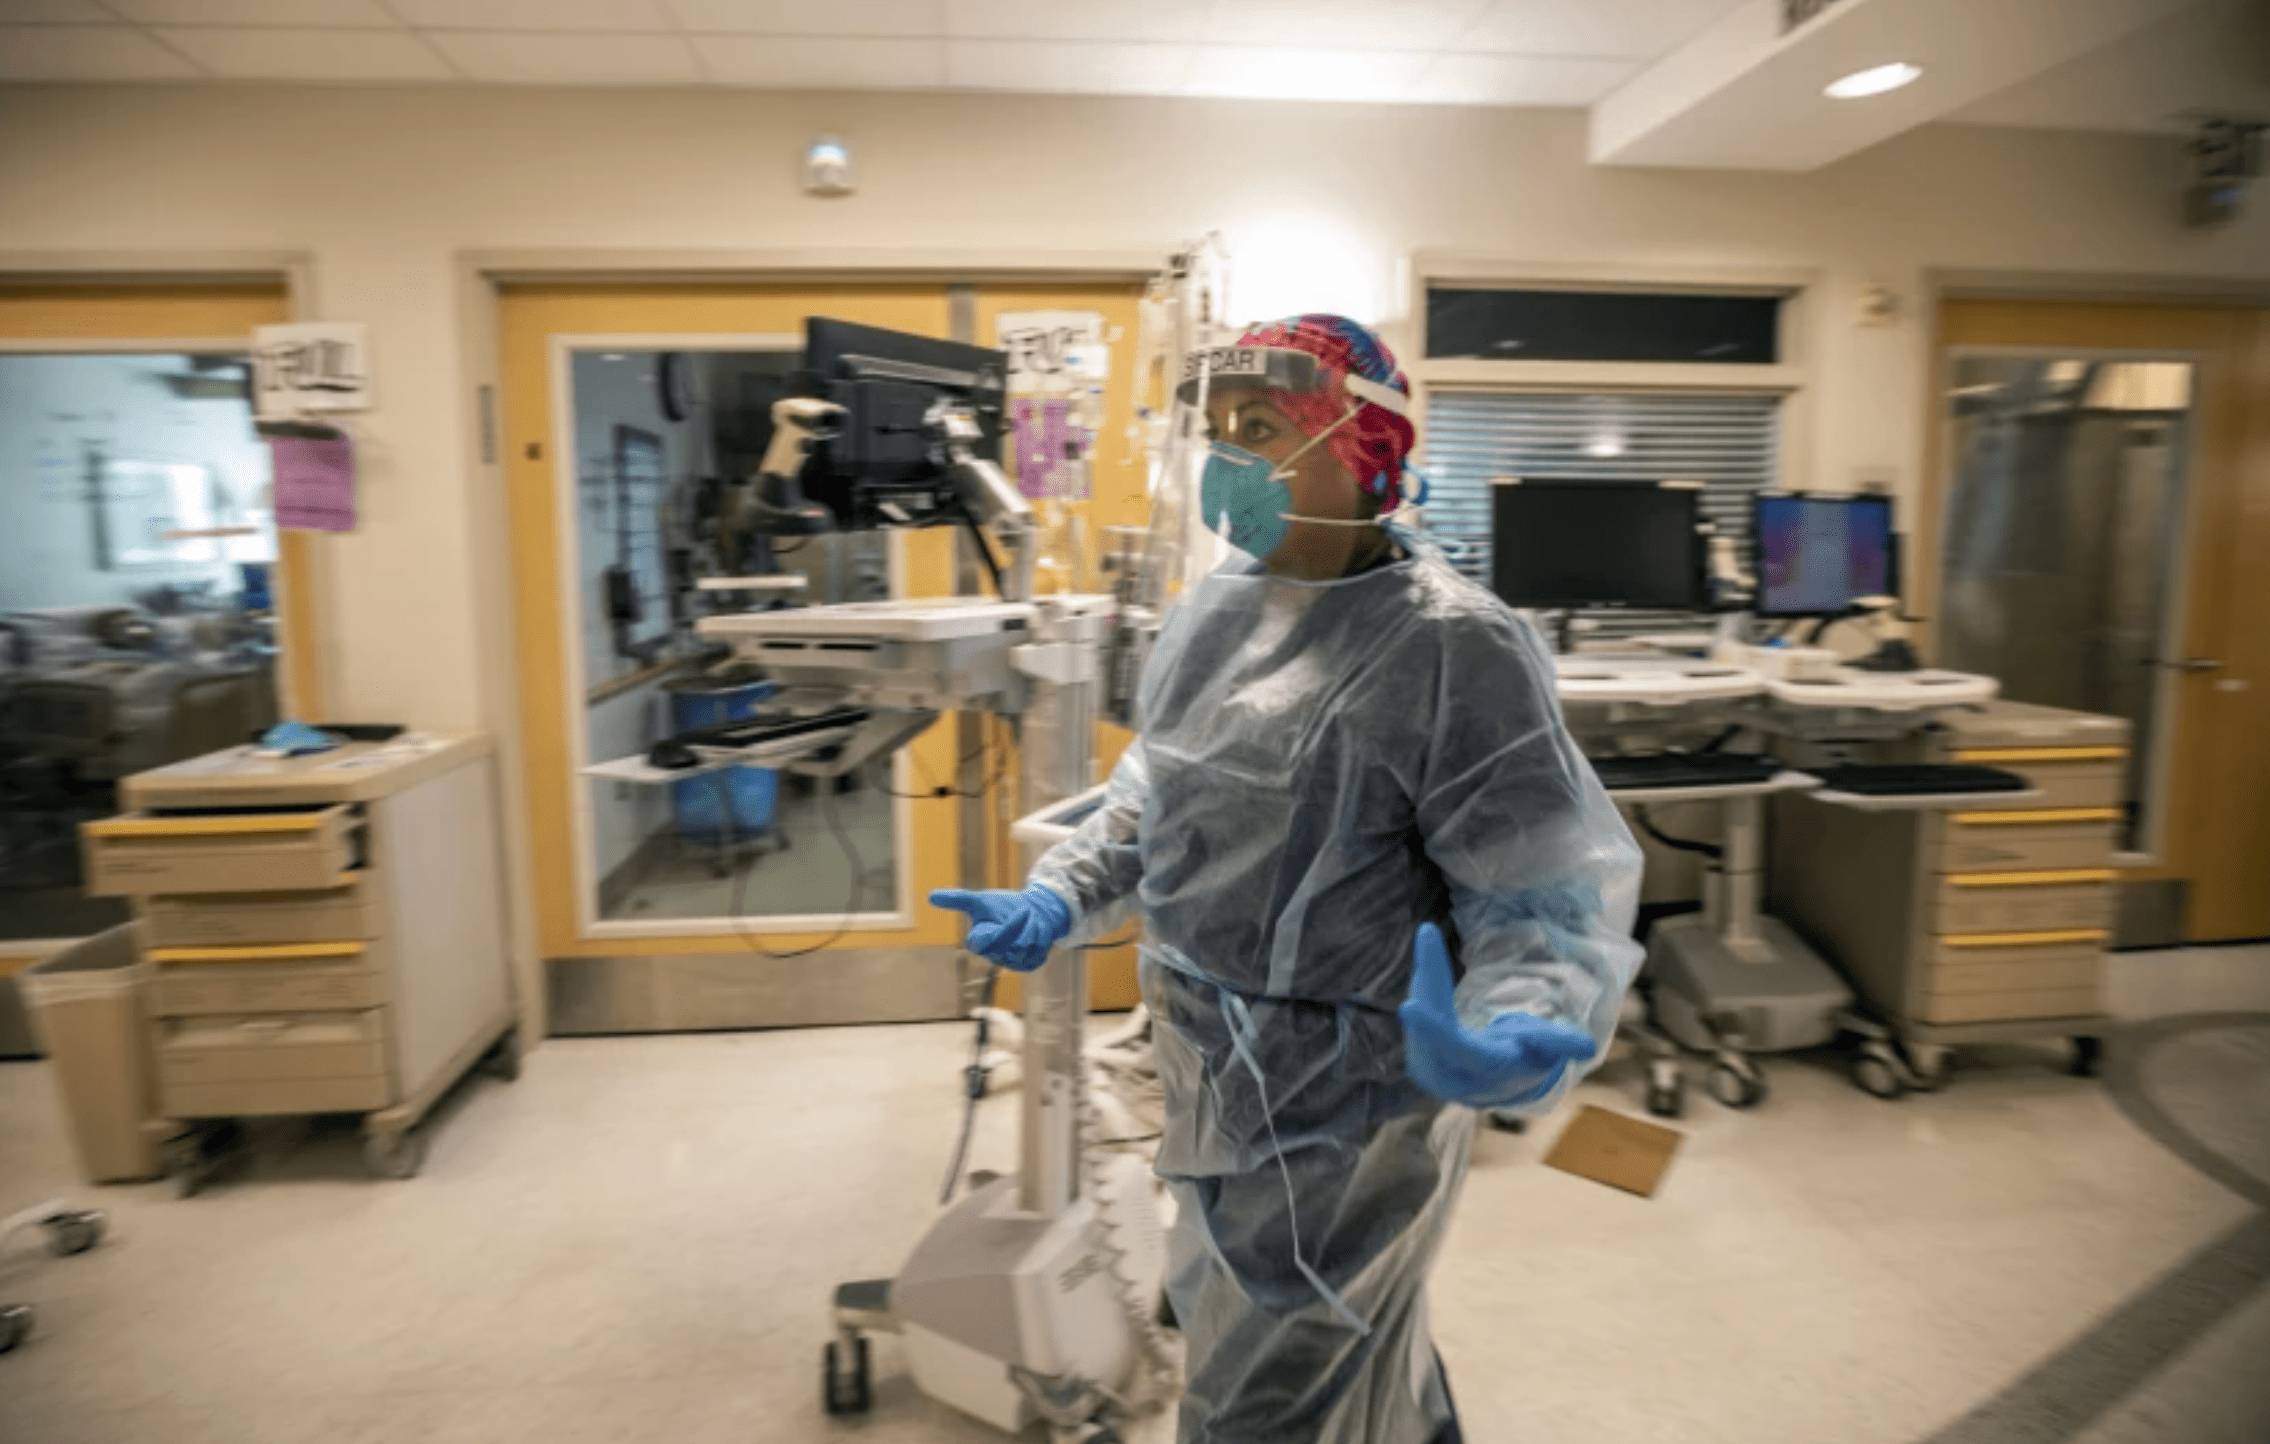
[[2041, 754], [2025, 940], [269, 953], [2034, 879], [2039, 818]]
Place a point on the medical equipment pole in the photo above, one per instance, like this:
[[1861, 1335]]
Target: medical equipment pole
[[1056, 742]]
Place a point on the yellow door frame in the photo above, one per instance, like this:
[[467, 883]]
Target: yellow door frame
[[532, 315]]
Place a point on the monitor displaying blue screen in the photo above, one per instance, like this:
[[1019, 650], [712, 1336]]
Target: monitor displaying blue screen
[[1818, 554]]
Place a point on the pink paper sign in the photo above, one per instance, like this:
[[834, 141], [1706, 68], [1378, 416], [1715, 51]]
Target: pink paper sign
[[315, 482]]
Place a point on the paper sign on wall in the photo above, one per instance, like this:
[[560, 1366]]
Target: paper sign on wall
[[315, 482], [1053, 350], [310, 366]]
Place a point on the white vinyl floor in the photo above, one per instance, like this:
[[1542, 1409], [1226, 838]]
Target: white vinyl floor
[[636, 1242]]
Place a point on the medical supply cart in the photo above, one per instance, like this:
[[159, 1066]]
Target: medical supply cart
[[1969, 921], [325, 934]]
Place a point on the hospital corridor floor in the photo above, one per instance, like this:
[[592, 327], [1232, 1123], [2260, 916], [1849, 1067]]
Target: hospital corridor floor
[[637, 1241]]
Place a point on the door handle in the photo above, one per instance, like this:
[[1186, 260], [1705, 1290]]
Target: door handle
[[2189, 664]]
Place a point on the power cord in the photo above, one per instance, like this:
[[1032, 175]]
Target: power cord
[[973, 1086], [850, 906], [1683, 844]]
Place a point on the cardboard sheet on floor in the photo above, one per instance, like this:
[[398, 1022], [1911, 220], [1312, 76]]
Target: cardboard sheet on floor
[[1619, 1151]]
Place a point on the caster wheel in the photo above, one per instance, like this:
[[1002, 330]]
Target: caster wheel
[[189, 1159], [1927, 1068], [394, 1155], [845, 1391], [502, 1062], [15, 1325], [75, 1231], [1737, 1085], [1667, 1101], [2088, 1057], [1876, 1076]]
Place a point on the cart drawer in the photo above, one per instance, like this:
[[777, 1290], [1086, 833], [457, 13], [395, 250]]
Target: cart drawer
[[2064, 776], [1956, 969], [286, 978], [2029, 841], [346, 912], [272, 1047], [2025, 902], [218, 852], [2013, 1005], [262, 1097], [1991, 977]]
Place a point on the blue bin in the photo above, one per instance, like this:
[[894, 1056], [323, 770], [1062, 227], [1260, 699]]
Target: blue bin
[[735, 804]]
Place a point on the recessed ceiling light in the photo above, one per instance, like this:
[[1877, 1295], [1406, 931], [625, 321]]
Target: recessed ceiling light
[[1875, 80]]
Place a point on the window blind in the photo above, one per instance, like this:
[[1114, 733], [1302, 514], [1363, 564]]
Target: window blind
[[1726, 442]]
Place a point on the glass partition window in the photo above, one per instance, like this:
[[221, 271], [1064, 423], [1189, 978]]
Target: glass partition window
[[2063, 524], [137, 612], [665, 443], [1506, 324]]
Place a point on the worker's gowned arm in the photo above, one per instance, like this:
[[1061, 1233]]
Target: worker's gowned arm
[[1098, 868], [1543, 874]]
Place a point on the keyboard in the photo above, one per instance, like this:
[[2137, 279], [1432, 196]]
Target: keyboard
[[1684, 769], [1915, 779]]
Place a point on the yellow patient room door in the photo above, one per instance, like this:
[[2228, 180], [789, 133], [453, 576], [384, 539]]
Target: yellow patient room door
[[747, 898]]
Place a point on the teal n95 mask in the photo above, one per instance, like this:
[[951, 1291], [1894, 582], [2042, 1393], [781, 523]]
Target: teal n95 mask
[[1244, 500]]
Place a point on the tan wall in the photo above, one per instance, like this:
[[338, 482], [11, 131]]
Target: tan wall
[[386, 190]]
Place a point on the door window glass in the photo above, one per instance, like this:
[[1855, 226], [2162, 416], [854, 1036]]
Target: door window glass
[[137, 600], [2062, 531], [665, 443]]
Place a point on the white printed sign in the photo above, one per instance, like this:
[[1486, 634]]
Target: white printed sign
[[1053, 351], [310, 366]]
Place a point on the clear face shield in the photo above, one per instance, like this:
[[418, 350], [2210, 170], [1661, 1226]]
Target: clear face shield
[[1232, 494]]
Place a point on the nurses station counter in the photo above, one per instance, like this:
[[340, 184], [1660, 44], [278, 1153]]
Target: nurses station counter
[[325, 934]]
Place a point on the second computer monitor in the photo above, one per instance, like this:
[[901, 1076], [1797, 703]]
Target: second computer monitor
[[1580, 545], [1817, 555]]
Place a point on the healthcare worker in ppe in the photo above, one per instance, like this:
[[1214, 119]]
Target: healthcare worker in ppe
[[1377, 882]]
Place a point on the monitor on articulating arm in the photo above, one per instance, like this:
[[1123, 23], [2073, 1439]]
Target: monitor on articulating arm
[[891, 429]]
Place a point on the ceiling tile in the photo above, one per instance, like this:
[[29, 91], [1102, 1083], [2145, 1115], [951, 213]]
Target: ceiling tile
[[1520, 79], [647, 15], [54, 12], [1347, 24], [1254, 72], [810, 17], [1152, 20], [1632, 29], [1069, 66], [86, 52], [295, 14], [799, 62], [248, 54], [523, 57]]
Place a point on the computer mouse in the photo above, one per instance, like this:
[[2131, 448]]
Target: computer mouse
[[671, 755]]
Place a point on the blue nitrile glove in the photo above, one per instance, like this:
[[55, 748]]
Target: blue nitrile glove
[[1014, 929], [1516, 1059]]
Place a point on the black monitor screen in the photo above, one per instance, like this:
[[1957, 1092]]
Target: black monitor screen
[[1818, 554], [1583, 544]]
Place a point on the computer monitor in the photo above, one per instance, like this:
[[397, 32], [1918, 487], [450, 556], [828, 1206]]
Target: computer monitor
[[1582, 545], [1816, 555], [884, 466]]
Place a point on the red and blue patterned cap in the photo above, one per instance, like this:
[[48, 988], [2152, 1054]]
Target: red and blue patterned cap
[[1375, 442]]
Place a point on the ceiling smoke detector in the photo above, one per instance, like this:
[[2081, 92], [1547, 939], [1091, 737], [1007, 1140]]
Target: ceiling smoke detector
[[827, 168]]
